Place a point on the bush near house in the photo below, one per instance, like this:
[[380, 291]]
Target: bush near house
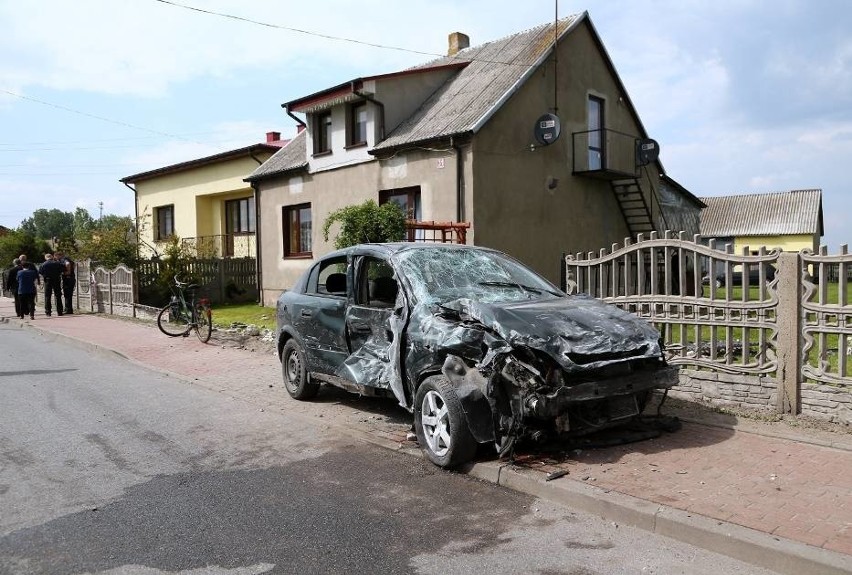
[[366, 223]]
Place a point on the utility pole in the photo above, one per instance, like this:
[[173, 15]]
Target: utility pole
[[100, 213]]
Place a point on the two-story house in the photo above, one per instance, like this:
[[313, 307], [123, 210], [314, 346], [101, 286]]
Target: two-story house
[[531, 140], [204, 202]]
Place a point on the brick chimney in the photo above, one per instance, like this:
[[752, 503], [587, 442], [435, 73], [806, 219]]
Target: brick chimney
[[272, 136], [457, 41]]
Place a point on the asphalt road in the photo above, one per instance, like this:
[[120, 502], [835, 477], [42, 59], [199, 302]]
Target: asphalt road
[[108, 468]]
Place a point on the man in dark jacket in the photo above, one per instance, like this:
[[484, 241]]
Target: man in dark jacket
[[10, 283], [51, 271], [27, 279], [68, 280]]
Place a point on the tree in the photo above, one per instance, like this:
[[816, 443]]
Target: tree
[[83, 223], [110, 221], [366, 223], [112, 245], [19, 242], [47, 224]]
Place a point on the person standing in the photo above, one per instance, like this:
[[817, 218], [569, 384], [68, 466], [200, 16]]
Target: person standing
[[51, 271], [10, 283], [69, 280], [27, 279]]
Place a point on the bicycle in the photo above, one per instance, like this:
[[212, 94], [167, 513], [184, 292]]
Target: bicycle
[[180, 316]]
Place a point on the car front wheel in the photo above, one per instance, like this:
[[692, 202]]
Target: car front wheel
[[295, 372], [441, 425]]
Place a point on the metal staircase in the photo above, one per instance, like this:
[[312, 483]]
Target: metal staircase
[[633, 205]]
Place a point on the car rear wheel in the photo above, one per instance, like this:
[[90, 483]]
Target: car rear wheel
[[440, 424], [295, 372]]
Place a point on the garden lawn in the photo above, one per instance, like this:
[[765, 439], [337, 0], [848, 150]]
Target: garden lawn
[[247, 313]]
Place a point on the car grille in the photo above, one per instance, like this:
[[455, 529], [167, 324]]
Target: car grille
[[584, 359], [622, 406]]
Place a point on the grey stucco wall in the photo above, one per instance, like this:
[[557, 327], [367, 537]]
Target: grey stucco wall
[[333, 189], [526, 200], [820, 401]]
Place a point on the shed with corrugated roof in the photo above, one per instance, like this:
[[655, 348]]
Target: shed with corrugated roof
[[791, 220]]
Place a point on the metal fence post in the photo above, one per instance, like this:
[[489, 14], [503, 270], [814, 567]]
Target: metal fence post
[[789, 333]]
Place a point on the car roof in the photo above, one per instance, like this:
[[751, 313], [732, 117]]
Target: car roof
[[388, 249]]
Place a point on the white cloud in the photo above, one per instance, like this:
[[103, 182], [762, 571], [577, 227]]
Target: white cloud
[[146, 48]]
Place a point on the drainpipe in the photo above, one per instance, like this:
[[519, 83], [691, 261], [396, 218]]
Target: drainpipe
[[136, 210], [459, 180], [380, 105], [257, 250], [298, 119]]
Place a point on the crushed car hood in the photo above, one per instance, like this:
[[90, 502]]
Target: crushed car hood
[[578, 332]]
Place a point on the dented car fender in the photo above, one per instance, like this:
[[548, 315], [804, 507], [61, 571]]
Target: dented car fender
[[470, 386]]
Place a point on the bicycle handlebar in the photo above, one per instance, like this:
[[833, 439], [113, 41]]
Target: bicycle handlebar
[[182, 285]]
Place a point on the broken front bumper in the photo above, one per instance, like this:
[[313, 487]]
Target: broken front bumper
[[547, 406]]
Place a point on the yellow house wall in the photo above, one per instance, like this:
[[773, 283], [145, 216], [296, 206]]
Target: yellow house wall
[[198, 195], [514, 209], [334, 189], [787, 243]]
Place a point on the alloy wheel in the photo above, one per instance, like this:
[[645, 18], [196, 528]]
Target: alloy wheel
[[436, 423]]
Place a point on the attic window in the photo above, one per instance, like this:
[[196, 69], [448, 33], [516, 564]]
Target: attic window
[[322, 133], [357, 128]]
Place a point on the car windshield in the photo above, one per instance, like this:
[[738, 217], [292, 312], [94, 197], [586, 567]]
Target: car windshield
[[439, 275]]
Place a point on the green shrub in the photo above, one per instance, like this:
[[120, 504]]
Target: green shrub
[[366, 223]]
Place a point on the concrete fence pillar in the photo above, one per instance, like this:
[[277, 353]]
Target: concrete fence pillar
[[789, 321]]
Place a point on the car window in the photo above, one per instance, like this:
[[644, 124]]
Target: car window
[[440, 275], [376, 284], [329, 277]]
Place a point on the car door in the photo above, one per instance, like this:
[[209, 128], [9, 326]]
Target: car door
[[319, 317], [368, 324]]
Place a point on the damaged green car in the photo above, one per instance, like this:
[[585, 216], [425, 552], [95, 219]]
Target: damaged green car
[[479, 348]]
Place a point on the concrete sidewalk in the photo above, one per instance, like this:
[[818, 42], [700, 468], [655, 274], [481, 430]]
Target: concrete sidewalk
[[756, 492]]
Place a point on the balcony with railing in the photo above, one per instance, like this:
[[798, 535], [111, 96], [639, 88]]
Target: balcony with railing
[[222, 246], [440, 232], [605, 154]]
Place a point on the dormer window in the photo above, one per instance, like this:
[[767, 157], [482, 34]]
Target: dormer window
[[357, 128], [322, 133]]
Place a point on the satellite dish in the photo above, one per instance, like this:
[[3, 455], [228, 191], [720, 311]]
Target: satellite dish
[[647, 151], [547, 129]]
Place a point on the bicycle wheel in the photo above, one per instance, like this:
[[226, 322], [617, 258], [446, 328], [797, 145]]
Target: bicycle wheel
[[174, 325], [203, 322]]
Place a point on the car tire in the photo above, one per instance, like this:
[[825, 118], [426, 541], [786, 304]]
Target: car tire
[[295, 373], [440, 424]]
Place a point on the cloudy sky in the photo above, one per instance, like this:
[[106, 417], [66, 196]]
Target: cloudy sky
[[744, 96]]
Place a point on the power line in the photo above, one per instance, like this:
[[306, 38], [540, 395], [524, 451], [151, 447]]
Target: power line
[[61, 147], [55, 165], [331, 37], [121, 139], [54, 174], [297, 30], [96, 117], [68, 148]]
